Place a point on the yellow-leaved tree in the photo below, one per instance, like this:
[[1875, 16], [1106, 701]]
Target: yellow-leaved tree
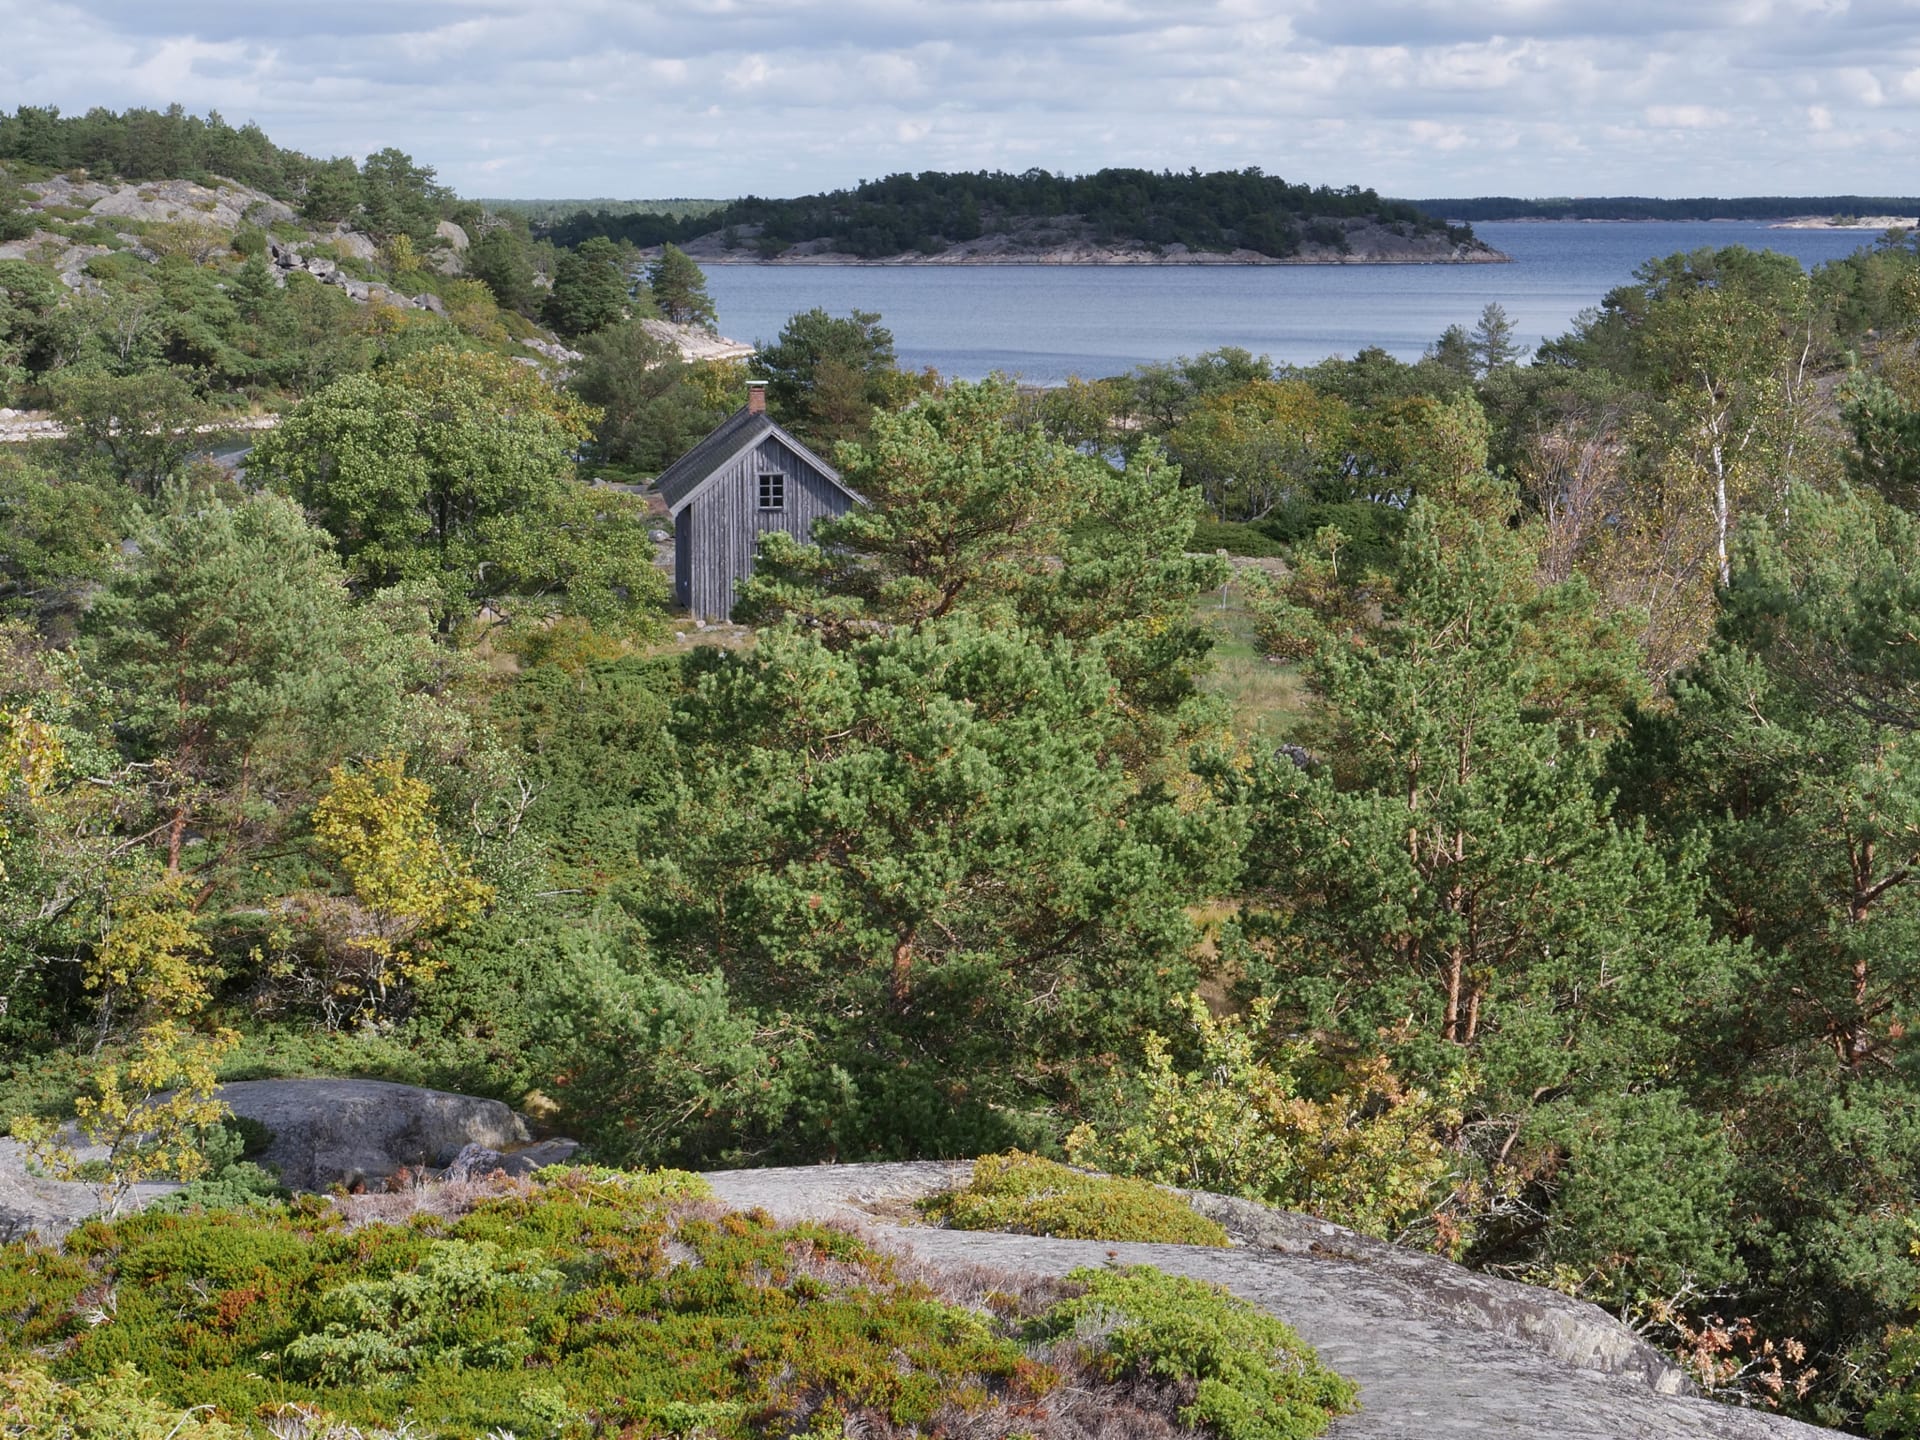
[[376, 823], [31, 756], [153, 961], [147, 1114], [1371, 1155]]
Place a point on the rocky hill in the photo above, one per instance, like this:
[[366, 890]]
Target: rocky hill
[[79, 221]]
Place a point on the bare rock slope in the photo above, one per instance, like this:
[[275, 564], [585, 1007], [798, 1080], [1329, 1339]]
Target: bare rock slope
[[1437, 1350]]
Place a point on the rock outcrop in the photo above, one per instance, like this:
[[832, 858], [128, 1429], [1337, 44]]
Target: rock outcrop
[[32, 1204], [363, 1132], [1438, 1351], [224, 205]]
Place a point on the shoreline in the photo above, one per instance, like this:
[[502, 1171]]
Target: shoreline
[[1059, 261]]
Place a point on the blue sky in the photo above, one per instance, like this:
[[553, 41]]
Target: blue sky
[[721, 97]]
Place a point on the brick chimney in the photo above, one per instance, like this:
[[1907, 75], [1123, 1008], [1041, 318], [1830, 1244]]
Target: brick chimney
[[756, 397]]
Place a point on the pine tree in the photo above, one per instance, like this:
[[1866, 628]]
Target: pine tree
[[679, 289], [1491, 343], [590, 288]]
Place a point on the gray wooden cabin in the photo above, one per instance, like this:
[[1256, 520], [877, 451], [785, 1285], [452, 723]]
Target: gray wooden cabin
[[747, 479]]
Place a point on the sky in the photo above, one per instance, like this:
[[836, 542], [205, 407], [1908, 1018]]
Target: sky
[[717, 98]]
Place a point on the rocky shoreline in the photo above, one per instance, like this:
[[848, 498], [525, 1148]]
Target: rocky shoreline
[[1069, 240], [1078, 255]]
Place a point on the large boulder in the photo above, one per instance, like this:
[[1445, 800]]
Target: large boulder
[[362, 1132]]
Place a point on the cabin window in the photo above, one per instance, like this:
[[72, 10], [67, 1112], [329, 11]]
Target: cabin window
[[773, 490]]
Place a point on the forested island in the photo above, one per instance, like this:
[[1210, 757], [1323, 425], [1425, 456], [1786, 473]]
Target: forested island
[[1472, 803], [1110, 217]]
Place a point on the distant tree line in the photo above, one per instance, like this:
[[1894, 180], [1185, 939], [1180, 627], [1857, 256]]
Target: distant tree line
[[143, 144], [1219, 210], [1642, 207], [552, 212]]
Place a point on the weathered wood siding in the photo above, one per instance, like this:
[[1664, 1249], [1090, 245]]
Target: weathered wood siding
[[724, 522], [683, 557]]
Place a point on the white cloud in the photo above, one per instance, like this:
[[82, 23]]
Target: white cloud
[[645, 97]]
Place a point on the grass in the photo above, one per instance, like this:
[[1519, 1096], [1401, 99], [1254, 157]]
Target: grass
[[1027, 1195], [594, 1303], [1268, 699]]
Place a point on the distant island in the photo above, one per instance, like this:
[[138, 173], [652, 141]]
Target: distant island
[[1845, 211], [1112, 217]]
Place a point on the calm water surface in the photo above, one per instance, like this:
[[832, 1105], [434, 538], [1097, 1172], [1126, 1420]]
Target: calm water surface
[[1046, 322]]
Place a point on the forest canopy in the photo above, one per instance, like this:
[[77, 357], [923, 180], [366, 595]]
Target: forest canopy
[[1216, 210]]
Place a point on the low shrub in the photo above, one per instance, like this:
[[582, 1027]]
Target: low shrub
[[1236, 538], [1372, 531], [1251, 1377], [1027, 1195], [35, 1406], [595, 1303]]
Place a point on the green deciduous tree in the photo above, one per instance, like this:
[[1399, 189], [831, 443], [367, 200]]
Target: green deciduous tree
[[139, 430], [453, 470]]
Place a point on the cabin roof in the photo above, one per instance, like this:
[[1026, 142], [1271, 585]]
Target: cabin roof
[[735, 435]]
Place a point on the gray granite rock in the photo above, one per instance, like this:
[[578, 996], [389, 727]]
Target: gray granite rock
[[361, 1132], [1437, 1352], [32, 1204], [477, 1162]]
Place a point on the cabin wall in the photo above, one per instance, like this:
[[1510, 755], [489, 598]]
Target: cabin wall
[[683, 557], [727, 522]]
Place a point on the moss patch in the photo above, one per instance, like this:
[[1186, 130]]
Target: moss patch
[[1027, 1195], [1249, 1375]]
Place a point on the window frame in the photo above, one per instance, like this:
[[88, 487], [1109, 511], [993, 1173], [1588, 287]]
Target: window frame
[[772, 486]]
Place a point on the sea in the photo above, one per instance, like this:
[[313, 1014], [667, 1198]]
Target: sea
[[1044, 323]]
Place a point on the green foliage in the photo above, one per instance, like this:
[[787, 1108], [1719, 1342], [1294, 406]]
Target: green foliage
[[679, 288], [499, 256], [589, 1292], [970, 513], [1236, 538], [399, 198], [227, 647], [1646, 1196], [1369, 533], [138, 430], [1369, 1154], [827, 375], [1253, 1378], [1220, 210], [452, 471], [118, 1406], [654, 407], [657, 1066], [1026, 1195], [591, 289], [927, 824], [375, 1332]]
